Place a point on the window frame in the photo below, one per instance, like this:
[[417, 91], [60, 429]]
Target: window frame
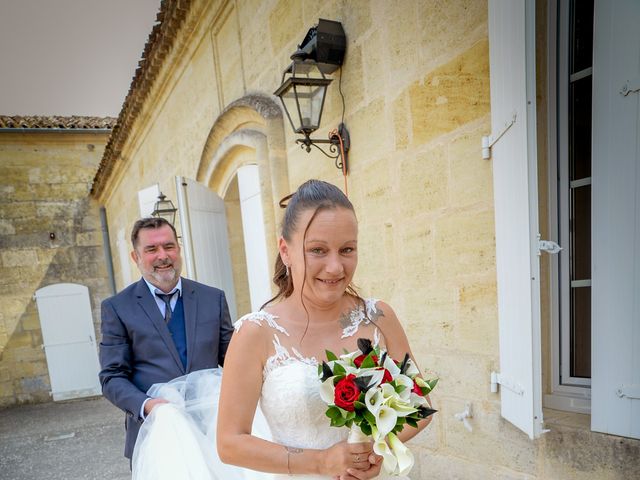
[[575, 394]]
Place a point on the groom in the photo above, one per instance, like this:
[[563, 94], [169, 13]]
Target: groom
[[159, 328]]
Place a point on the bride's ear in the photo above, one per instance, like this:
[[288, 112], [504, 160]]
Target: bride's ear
[[283, 249]]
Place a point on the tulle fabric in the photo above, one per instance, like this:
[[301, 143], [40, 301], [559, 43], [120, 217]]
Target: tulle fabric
[[178, 439]]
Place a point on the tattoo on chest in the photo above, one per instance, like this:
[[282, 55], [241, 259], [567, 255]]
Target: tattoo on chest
[[347, 318]]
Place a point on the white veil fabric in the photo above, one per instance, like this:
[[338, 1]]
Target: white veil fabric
[[178, 439]]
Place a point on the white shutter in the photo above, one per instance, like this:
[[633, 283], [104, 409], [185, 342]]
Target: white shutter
[[255, 242], [512, 62], [147, 199], [69, 340], [615, 387], [206, 244]]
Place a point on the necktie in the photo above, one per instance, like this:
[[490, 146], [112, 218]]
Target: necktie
[[166, 298]]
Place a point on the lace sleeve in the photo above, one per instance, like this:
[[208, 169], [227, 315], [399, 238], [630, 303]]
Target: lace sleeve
[[258, 318]]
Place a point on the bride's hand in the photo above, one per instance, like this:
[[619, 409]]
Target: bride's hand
[[344, 456], [370, 471]]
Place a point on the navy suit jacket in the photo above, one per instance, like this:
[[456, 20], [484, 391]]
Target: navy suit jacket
[[137, 350]]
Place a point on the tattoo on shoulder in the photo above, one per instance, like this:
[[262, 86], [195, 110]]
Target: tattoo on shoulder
[[376, 314]]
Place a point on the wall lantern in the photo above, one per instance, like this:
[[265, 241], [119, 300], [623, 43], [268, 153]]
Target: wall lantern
[[165, 209], [304, 87]]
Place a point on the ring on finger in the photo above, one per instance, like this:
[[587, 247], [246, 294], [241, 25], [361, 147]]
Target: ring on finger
[[357, 458]]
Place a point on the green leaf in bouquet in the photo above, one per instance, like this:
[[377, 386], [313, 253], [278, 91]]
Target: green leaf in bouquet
[[365, 428], [340, 422], [399, 388], [369, 418], [326, 371], [350, 415], [338, 369], [359, 405], [401, 421], [333, 412], [412, 422], [348, 423], [368, 362], [330, 355], [432, 383]]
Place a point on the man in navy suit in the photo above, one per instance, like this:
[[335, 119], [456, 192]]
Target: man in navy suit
[[159, 328]]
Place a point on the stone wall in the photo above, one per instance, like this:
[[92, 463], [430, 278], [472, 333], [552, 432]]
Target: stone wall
[[44, 180]]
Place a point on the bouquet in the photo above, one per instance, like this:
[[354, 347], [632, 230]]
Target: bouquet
[[376, 397]]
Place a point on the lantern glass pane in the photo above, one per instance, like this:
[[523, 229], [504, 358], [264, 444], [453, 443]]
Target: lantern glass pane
[[288, 99], [310, 99]]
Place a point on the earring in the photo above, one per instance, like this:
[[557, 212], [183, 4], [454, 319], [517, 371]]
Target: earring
[[287, 269]]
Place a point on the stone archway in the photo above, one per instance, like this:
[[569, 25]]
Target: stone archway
[[249, 132]]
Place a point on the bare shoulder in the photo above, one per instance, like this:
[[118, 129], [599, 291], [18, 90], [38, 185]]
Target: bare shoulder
[[382, 312]]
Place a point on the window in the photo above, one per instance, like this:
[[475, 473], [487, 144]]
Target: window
[[571, 181]]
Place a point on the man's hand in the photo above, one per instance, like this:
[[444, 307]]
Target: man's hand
[[151, 404]]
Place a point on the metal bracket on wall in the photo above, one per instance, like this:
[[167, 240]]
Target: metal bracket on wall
[[490, 140], [632, 392]]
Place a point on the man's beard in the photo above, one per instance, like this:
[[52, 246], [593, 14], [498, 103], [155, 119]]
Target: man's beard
[[165, 278]]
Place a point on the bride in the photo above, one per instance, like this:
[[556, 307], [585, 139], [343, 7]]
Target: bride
[[274, 353], [270, 418]]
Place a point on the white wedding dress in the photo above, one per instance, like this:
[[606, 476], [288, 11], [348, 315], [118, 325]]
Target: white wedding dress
[[177, 441]]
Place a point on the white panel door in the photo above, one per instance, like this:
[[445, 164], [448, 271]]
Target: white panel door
[[615, 387], [512, 62], [69, 340], [205, 240], [255, 242]]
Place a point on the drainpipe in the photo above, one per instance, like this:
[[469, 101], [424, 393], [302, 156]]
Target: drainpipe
[[106, 245]]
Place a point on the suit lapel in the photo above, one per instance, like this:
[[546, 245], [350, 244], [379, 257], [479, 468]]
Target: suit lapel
[[150, 308], [190, 304]]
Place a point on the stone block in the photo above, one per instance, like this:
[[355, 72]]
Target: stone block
[[476, 322], [424, 182], [446, 27], [430, 465], [401, 120], [18, 258], [490, 434], [461, 375], [471, 178], [284, 20], [465, 243], [369, 131], [6, 228], [452, 95], [375, 66], [86, 239], [21, 339]]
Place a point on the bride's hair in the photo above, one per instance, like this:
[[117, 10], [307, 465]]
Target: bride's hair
[[313, 195]]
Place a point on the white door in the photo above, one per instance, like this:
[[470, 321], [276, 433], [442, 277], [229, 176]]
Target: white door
[[206, 244], [69, 340], [513, 121], [255, 242], [615, 384]]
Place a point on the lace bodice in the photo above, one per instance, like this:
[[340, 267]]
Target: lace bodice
[[290, 398]]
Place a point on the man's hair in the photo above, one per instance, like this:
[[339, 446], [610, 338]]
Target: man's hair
[[149, 222]]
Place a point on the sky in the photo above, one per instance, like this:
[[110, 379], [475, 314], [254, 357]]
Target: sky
[[70, 57]]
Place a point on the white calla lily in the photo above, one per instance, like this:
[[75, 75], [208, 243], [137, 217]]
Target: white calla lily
[[386, 418], [407, 383], [387, 392], [389, 461], [373, 400], [390, 365], [402, 454], [412, 370], [418, 400], [327, 391], [401, 407]]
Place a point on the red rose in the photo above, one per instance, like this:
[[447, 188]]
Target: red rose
[[358, 360], [386, 377], [346, 393], [416, 389]]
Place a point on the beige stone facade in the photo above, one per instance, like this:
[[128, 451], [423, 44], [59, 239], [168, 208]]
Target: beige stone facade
[[417, 102], [45, 177]]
